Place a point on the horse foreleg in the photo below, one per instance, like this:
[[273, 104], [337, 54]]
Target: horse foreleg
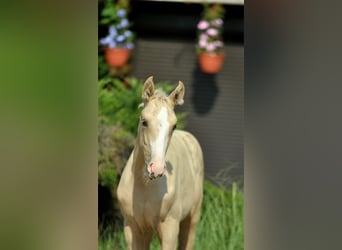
[[168, 233], [187, 229], [135, 239], [128, 235], [187, 233]]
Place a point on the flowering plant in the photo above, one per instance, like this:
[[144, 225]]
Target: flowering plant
[[114, 14], [210, 29]]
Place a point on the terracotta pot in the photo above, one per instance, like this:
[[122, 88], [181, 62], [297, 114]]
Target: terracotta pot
[[211, 63], [117, 57]]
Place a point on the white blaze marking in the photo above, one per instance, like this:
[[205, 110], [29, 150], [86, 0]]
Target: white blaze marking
[[159, 145]]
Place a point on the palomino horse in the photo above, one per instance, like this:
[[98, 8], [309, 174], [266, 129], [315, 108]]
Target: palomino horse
[[161, 187]]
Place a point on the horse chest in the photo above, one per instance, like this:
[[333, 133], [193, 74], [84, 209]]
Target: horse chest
[[151, 204]]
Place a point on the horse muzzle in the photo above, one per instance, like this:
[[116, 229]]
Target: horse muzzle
[[156, 169]]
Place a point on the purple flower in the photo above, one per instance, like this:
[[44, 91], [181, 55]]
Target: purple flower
[[119, 35], [120, 38], [202, 25], [127, 33], [112, 31], [212, 32], [121, 13], [217, 22], [106, 40], [112, 44], [123, 24]]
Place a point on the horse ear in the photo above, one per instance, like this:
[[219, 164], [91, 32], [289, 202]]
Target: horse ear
[[148, 89], [177, 95]]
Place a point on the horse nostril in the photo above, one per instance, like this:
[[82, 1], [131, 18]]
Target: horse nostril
[[152, 176]]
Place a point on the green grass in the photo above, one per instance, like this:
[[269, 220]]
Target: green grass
[[220, 226]]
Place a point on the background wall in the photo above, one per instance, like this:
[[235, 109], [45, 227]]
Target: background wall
[[166, 38]]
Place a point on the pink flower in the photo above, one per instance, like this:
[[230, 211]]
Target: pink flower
[[203, 37], [217, 22], [203, 40], [211, 47], [202, 25], [212, 32], [202, 43]]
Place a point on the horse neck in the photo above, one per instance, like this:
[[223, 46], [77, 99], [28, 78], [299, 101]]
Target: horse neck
[[138, 161]]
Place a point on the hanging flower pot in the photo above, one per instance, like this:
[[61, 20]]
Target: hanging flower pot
[[117, 57], [211, 63], [119, 41], [210, 46]]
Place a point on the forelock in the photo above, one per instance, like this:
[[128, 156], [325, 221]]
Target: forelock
[[158, 95]]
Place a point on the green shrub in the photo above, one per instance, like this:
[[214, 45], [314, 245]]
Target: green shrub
[[102, 68], [118, 103], [108, 177], [114, 145]]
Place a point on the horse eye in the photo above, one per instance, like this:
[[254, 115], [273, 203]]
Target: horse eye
[[144, 123]]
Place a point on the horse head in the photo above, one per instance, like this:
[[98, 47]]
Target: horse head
[[157, 123]]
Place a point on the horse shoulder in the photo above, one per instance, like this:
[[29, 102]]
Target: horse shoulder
[[125, 188], [186, 159], [189, 150]]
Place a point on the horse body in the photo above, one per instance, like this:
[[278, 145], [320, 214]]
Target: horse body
[[161, 187]]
